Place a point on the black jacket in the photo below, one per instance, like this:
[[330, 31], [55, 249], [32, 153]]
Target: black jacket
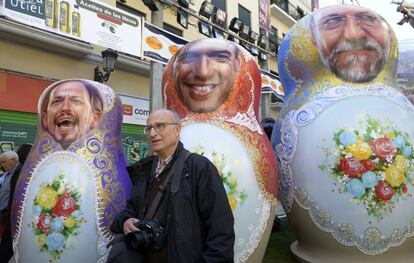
[[201, 222], [6, 250]]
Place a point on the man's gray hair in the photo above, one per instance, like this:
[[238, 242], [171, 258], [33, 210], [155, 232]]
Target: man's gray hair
[[177, 118], [10, 155]]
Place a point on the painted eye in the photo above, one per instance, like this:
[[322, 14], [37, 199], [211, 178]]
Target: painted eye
[[368, 20], [333, 22]]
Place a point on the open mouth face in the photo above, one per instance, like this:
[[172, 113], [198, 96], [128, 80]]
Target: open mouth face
[[66, 128], [69, 115], [66, 124]]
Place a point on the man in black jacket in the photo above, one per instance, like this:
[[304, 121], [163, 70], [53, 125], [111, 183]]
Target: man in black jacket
[[194, 209]]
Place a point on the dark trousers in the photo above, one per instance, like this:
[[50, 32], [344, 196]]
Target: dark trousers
[[6, 247], [120, 253]]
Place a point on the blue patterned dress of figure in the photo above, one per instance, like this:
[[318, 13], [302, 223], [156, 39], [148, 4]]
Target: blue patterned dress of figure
[[345, 139]]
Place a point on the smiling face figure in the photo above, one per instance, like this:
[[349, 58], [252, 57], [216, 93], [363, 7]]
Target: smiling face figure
[[204, 73], [69, 113], [353, 42]]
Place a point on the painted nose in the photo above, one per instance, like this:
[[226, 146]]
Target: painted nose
[[353, 30], [66, 104], [201, 67]]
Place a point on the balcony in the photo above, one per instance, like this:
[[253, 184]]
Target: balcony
[[285, 12]]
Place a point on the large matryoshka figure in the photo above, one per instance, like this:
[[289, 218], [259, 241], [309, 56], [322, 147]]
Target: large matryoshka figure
[[214, 85], [74, 180], [345, 144]]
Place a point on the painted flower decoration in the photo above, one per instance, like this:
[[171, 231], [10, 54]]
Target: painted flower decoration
[[383, 191], [235, 195], [356, 187], [372, 165], [47, 197], [383, 148], [351, 166], [44, 223], [56, 216], [347, 138], [369, 179], [64, 206], [360, 150]]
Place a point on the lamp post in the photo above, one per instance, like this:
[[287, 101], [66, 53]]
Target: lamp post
[[156, 69], [109, 57]]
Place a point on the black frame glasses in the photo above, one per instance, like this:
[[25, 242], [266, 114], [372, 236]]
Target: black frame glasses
[[158, 127]]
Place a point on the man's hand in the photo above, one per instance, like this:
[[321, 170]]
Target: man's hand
[[129, 225]]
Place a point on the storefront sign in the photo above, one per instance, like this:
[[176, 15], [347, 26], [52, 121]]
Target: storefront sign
[[136, 110], [160, 45], [85, 20]]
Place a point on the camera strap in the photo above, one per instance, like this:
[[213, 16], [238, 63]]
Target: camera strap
[[179, 164]]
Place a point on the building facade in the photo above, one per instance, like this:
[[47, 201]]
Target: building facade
[[31, 58]]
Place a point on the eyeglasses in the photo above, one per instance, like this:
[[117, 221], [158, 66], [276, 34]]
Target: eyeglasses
[[158, 127], [338, 22]]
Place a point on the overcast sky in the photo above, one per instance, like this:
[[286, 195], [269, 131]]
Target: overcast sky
[[388, 11]]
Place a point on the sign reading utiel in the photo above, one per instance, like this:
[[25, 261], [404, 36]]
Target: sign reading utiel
[[85, 20]]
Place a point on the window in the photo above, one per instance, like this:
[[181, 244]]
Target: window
[[273, 40], [282, 4], [301, 13], [129, 9], [221, 4], [244, 15], [274, 31], [172, 29]]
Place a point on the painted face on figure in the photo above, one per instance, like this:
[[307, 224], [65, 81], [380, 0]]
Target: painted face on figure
[[353, 42], [163, 131], [69, 113], [204, 73]]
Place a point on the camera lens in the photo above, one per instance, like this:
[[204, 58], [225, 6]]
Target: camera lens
[[139, 239]]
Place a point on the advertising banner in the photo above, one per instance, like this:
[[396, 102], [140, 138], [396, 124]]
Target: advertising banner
[[160, 45], [84, 20], [271, 84], [135, 110], [264, 14]]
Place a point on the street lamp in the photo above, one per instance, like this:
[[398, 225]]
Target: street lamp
[[109, 57], [182, 18], [206, 9]]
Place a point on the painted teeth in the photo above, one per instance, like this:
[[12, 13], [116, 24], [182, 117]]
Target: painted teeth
[[203, 88]]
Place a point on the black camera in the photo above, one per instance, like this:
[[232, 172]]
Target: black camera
[[152, 235]]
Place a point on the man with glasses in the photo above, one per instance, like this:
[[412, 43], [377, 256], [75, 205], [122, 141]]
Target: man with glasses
[[353, 42], [193, 209]]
